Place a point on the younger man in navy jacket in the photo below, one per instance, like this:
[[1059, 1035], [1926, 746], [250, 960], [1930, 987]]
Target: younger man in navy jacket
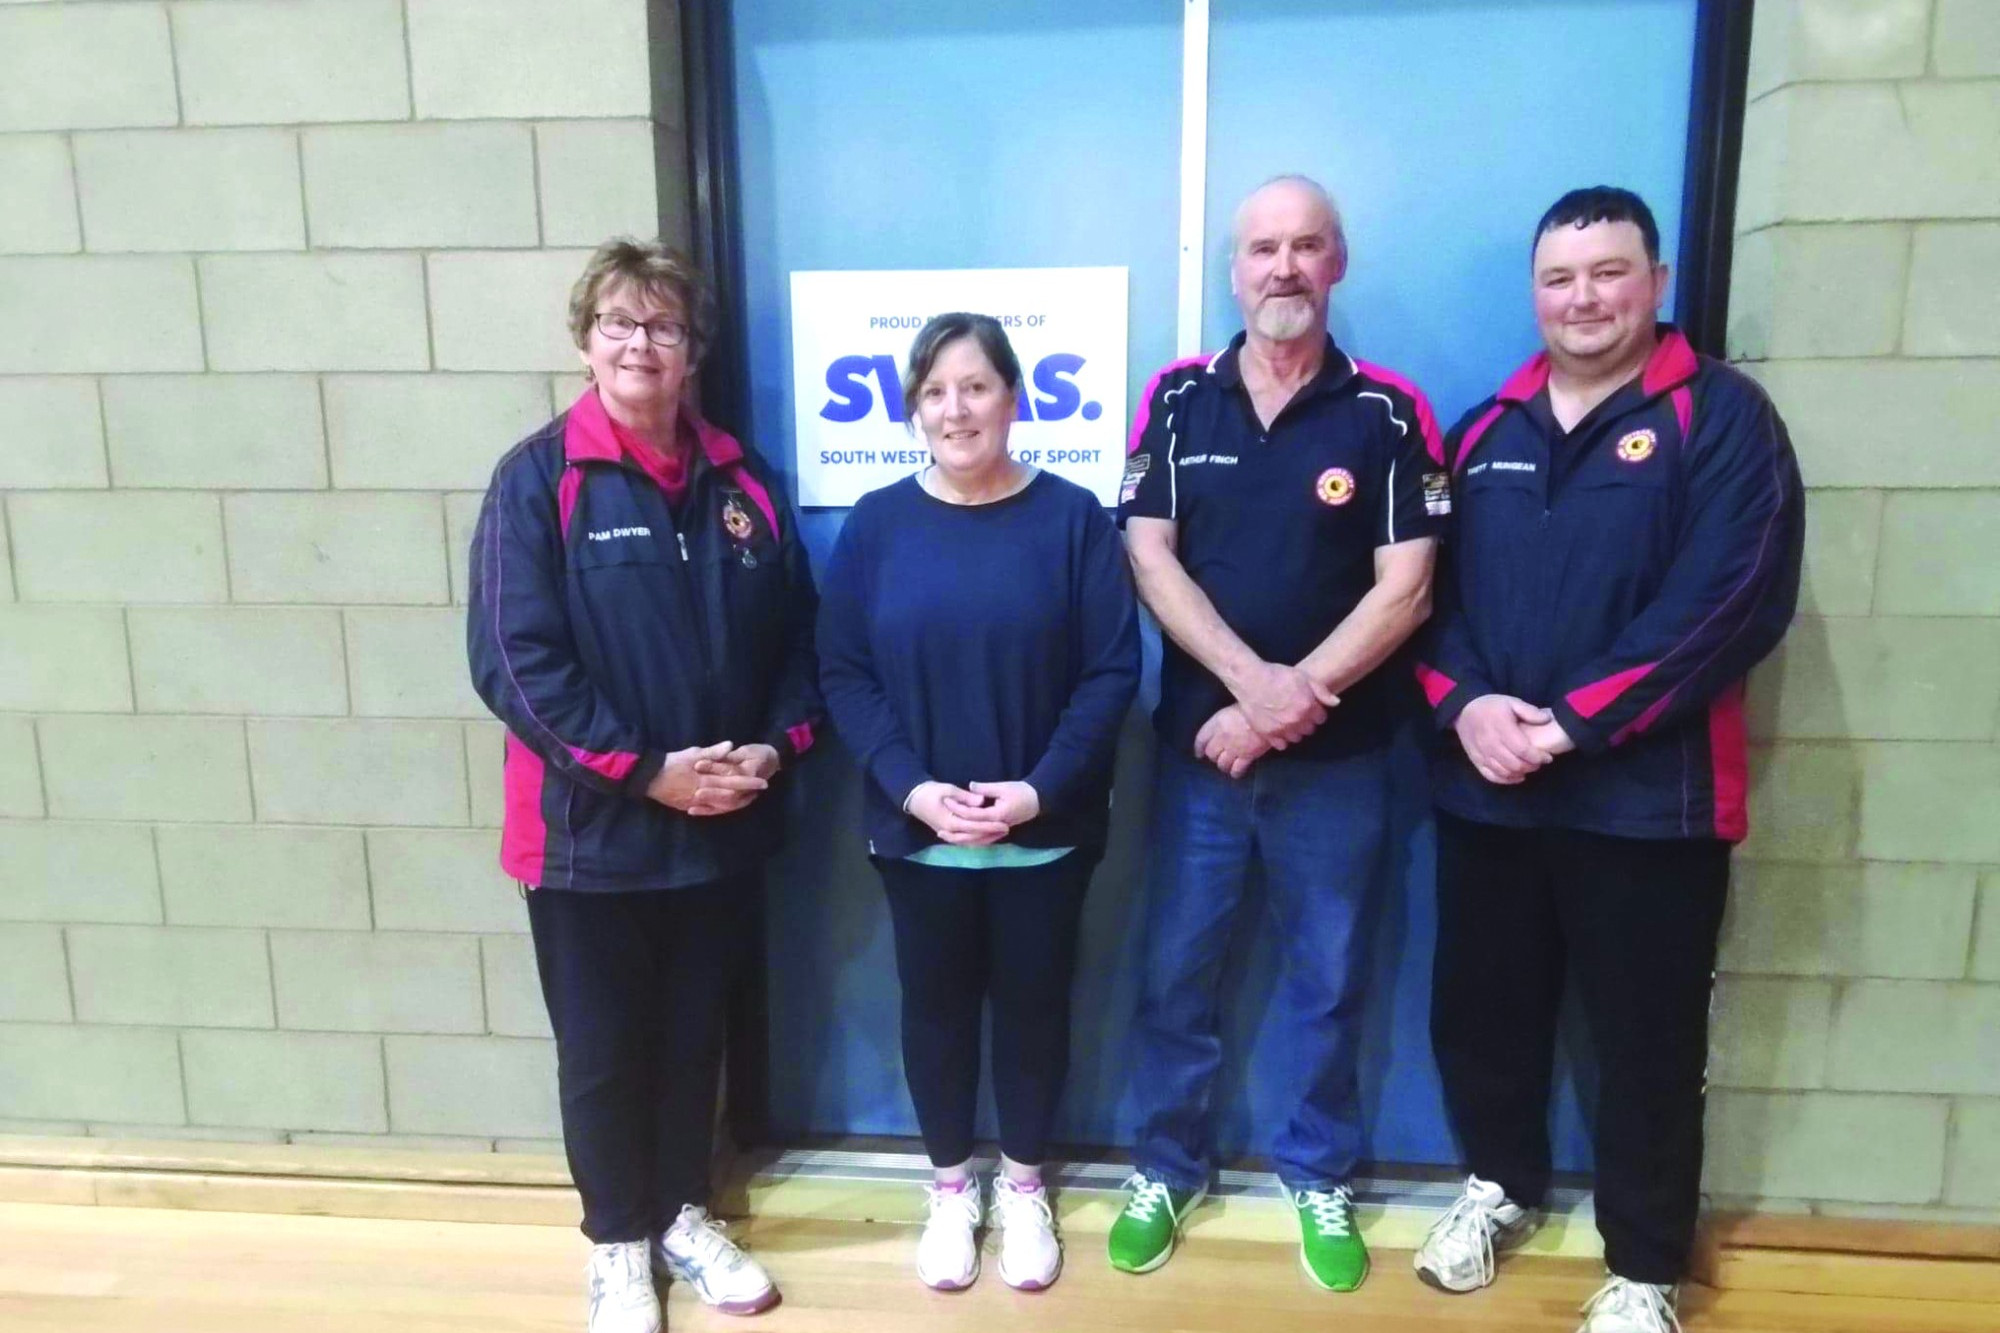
[[1629, 521]]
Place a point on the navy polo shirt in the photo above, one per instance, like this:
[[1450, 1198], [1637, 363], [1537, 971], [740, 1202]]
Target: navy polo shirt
[[1279, 526]]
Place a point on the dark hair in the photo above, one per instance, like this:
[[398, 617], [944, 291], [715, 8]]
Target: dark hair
[[1601, 203], [941, 332]]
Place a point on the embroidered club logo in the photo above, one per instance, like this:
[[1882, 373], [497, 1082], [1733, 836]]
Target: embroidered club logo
[[735, 521], [1335, 486], [1638, 446]]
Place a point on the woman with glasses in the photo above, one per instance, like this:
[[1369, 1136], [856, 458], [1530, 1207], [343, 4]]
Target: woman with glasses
[[641, 619], [981, 649]]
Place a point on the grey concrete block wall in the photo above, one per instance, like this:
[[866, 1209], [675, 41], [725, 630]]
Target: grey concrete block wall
[[20, 770], [1854, 1006], [151, 299], [54, 432], [264, 876], [42, 218], [280, 280], [173, 190], [235, 432]]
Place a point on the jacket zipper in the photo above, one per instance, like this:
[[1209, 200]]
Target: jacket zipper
[[697, 599]]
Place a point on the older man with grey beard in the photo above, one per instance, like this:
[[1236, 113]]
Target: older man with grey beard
[[1280, 502]]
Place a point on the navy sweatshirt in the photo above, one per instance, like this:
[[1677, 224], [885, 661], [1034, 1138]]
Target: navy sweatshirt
[[992, 643]]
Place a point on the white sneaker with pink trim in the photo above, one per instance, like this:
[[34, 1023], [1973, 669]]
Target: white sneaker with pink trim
[[948, 1251], [1030, 1251]]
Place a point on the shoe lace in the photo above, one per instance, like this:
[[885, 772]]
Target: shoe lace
[[1148, 1196], [1018, 1206], [1467, 1228], [622, 1267], [962, 1202], [705, 1238], [1639, 1299], [1332, 1210]]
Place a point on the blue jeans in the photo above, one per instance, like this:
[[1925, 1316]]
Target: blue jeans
[[1319, 828]]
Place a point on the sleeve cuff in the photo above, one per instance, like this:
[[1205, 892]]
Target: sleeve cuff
[[1448, 708], [1447, 694], [642, 774], [1051, 786], [898, 776], [791, 742], [1588, 737]]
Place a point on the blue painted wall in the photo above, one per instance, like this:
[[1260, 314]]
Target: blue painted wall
[[893, 135]]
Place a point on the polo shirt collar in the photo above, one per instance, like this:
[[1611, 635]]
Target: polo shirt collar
[[1335, 370]]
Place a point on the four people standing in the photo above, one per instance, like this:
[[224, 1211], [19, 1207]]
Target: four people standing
[[1626, 548]]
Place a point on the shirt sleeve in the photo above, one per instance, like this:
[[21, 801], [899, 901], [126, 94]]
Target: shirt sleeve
[[1147, 489], [796, 712], [1729, 594], [1106, 633], [1415, 500], [1448, 664], [847, 673], [523, 657]]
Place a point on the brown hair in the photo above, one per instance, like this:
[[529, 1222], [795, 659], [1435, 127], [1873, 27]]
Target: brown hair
[[652, 267], [940, 333]]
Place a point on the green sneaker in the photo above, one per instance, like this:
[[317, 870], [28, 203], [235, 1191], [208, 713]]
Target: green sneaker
[[1143, 1236], [1330, 1247]]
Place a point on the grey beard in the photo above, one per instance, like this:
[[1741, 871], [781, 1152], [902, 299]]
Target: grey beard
[[1283, 320]]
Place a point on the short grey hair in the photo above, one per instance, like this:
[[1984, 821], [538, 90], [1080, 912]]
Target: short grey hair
[[1311, 187]]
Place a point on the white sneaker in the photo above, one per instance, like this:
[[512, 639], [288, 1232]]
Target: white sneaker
[[1459, 1251], [948, 1251], [1030, 1252], [622, 1299], [695, 1251], [1624, 1306]]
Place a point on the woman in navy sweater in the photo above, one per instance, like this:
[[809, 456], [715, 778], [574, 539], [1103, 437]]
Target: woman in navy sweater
[[979, 649]]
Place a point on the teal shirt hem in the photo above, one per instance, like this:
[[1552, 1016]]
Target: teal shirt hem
[[1000, 856]]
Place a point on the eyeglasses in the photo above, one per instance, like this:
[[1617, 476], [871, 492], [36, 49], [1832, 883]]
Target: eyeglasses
[[659, 332]]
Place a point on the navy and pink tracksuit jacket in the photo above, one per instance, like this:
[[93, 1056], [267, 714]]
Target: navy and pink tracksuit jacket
[[605, 631], [1627, 575]]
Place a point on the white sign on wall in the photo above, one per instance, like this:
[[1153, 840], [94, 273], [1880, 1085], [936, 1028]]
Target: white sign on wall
[[851, 335]]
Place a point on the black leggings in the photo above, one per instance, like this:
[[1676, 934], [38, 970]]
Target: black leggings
[[636, 985], [963, 936]]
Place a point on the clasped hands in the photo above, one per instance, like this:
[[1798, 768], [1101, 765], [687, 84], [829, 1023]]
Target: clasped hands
[[716, 779], [1507, 738], [1275, 706], [978, 814]]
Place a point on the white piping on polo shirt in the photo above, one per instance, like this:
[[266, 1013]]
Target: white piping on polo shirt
[[1173, 482], [1403, 430], [1173, 440]]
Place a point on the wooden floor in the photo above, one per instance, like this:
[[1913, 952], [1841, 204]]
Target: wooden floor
[[98, 1270]]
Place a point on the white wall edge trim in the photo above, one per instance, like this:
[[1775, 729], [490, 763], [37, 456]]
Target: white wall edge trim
[[1194, 173]]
